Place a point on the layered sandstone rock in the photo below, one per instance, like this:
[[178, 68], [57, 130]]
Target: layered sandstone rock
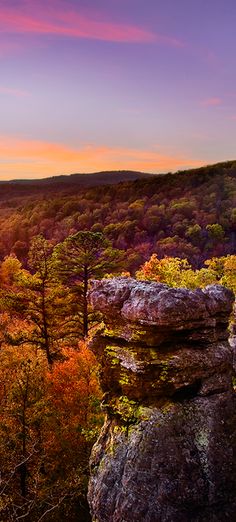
[[166, 449]]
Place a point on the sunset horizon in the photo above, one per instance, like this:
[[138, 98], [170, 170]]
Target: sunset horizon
[[113, 171]]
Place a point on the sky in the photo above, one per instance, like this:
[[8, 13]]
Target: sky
[[91, 85]]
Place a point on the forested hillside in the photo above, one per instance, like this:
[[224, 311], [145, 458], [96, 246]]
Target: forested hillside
[[189, 214], [53, 242]]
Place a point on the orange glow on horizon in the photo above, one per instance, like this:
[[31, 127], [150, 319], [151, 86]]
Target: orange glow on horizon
[[39, 159]]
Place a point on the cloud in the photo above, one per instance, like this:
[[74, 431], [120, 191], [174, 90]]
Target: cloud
[[70, 24], [64, 20], [211, 102], [13, 92], [31, 158]]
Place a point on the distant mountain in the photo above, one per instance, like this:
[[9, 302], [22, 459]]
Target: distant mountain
[[98, 178], [67, 184], [85, 180]]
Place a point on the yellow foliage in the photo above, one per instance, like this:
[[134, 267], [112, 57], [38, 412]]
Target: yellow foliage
[[9, 270], [177, 272], [168, 270]]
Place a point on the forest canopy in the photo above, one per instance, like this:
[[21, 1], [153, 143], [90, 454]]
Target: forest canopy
[[178, 229], [189, 214]]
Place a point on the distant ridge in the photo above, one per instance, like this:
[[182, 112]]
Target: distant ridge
[[71, 184], [67, 184], [112, 177], [85, 180]]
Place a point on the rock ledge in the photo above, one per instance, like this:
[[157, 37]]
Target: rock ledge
[[165, 453]]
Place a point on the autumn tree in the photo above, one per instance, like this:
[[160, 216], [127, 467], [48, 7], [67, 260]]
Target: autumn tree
[[224, 270], [21, 400], [178, 272], [168, 270], [48, 423], [175, 272], [37, 300]]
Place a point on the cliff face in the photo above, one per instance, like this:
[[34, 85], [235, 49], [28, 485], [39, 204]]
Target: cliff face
[[165, 452]]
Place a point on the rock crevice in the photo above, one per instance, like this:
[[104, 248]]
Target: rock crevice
[[165, 453]]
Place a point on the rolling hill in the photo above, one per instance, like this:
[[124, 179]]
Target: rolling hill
[[188, 214]]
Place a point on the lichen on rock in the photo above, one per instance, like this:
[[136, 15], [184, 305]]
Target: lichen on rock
[[165, 453]]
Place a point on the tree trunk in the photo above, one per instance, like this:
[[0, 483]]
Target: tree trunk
[[23, 466], [45, 329], [85, 303]]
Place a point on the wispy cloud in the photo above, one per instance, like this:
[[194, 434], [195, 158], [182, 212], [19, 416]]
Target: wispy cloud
[[29, 158], [70, 24], [9, 91], [211, 102], [65, 20]]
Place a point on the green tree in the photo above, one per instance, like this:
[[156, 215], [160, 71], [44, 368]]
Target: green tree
[[79, 258], [215, 232], [194, 233]]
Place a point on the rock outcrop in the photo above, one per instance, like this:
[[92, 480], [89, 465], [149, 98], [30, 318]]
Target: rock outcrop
[[165, 453]]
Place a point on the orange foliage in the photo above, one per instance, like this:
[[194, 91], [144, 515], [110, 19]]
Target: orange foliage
[[50, 419]]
